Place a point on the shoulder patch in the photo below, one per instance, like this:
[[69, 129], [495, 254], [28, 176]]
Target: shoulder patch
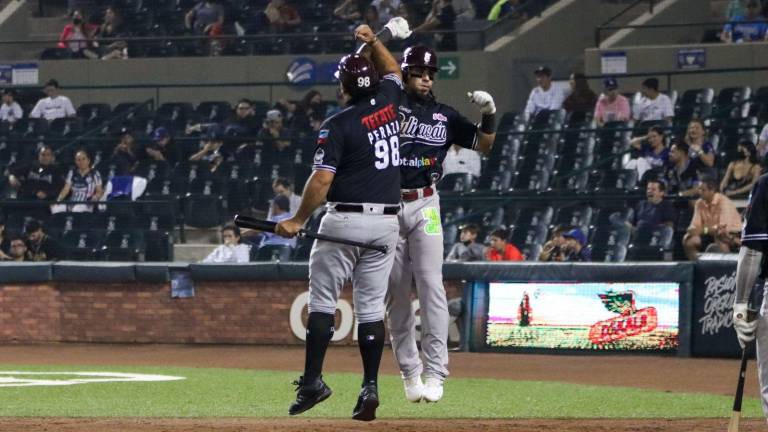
[[322, 136], [319, 155], [439, 117]]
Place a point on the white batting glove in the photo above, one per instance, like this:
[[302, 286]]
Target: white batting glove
[[399, 28], [745, 330], [483, 100]]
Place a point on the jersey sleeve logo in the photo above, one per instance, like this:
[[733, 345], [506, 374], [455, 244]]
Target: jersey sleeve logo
[[322, 136], [319, 156], [439, 117]]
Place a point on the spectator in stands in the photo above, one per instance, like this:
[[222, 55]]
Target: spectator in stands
[[467, 249], [77, 36], [205, 17], [83, 183], [124, 155], [41, 180], [10, 110], [465, 10], [282, 17], [53, 106], [750, 27], [17, 249], [574, 247], [161, 148], [547, 95], [279, 211], [281, 186], [243, 121], [611, 106], [700, 150], [654, 211], [299, 113], [349, 12], [681, 175], [387, 9], [231, 251], [442, 16], [372, 19], [274, 135], [111, 28], [715, 221], [40, 246], [501, 249], [653, 105], [581, 100], [742, 173], [405, 10], [462, 160], [508, 9], [652, 152], [552, 249], [734, 9], [212, 148]]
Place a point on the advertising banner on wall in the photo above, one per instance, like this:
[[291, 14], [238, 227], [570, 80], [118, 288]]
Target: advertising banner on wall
[[637, 316]]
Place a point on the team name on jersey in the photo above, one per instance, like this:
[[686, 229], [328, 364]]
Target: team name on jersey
[[432, 133]]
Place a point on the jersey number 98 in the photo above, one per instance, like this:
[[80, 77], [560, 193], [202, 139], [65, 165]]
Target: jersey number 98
[[364, 82], [387, 152]]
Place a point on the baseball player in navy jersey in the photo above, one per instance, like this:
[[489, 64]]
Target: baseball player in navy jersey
[[427, 130], [357, 170], [752, 264]]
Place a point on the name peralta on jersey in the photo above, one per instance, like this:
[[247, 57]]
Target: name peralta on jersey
[[427, 131], [361, 146]]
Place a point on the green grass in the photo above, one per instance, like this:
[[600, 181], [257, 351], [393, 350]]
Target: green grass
[[246, 393]]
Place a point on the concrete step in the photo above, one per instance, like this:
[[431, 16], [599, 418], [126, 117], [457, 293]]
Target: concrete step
[[202, 235], [192, 252]]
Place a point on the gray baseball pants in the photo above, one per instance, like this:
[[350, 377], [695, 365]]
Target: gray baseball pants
[[332, 264], [419, 262]]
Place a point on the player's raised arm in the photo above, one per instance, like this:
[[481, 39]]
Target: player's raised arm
[[486, 132], [383, 60]]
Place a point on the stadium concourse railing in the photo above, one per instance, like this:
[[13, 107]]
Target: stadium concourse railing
[[710, 30]]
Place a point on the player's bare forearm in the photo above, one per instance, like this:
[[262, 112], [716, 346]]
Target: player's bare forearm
[[485, 142], [384, 60], [315, 193]]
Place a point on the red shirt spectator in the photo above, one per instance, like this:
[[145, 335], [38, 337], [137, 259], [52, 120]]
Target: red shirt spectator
[[500, 249]]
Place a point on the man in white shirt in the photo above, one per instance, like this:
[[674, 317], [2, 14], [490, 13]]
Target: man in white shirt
[[547, 95], [54, 106], [653, 105], [283, 186], [232, 251], [462, 160], [10, 110]]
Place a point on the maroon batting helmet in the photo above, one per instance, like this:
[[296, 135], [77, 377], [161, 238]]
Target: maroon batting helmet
[[419, 56], [357, 75]]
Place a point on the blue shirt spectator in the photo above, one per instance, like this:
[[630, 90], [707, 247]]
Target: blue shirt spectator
[[280, 210], [746, 28], [654, 211]]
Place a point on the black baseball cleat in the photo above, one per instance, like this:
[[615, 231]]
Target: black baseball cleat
[[367, 402], [308, 395]]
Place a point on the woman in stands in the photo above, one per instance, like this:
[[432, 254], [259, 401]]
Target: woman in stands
[[742, 174], [701, 152], [111, 28], [582, 99], [652, 150], [83, 183], [77, 37]]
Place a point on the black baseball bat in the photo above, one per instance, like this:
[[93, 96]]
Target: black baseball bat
[[264, 225], [733, 425]]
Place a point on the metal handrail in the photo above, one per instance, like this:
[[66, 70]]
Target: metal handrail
[[602, 28]]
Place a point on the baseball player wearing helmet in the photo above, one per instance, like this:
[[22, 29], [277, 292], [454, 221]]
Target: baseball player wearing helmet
[[427, 130], [357, 169], [751, 264]]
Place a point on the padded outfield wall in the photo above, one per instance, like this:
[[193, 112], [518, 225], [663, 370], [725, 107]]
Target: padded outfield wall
[[265, 303]]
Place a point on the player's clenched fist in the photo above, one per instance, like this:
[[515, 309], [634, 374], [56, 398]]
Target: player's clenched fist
[[364, 34], [745, 330], [483, 100], [288, 228]]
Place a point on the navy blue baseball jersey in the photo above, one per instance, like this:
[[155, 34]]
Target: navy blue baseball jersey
[[360, 144], [427, 131], [756, 215]]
